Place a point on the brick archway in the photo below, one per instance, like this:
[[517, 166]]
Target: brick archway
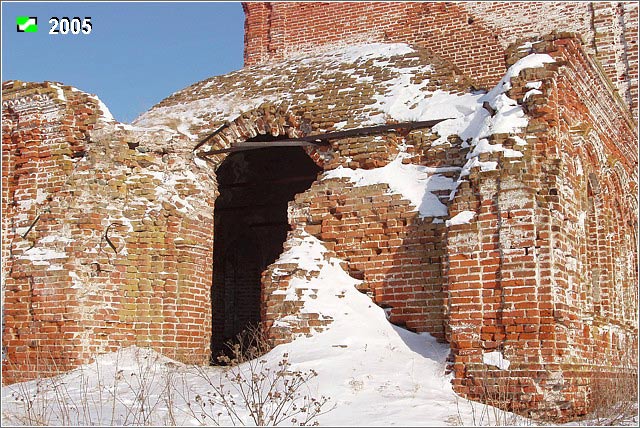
[[236, 294], [250, 227], [266, 122]]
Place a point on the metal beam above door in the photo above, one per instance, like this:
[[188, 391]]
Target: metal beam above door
[[319, 139]]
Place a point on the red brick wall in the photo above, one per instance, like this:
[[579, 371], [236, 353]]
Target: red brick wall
[[275, 30], [548, 273], [379, 235], [69, 195], [615, 42], [398, 256], [33, 150], [472, 35]]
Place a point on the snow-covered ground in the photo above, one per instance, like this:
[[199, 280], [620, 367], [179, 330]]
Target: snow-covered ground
[[373, 373]]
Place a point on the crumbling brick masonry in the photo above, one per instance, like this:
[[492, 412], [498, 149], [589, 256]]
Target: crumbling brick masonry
[[521, 241]]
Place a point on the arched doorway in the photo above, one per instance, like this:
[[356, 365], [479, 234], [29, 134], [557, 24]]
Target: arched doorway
[[250, 227]]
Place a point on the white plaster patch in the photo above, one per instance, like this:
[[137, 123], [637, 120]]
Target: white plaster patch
[[41, 256]]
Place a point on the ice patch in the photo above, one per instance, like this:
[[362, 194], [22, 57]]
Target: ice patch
[[56, 238], [183, 128], [495, 358], [200, 163], [474, 162], [530, 93], [463, 217], [365, 52], [340, 125]]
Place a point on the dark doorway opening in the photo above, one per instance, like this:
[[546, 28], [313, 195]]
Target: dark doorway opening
[[250, 226]]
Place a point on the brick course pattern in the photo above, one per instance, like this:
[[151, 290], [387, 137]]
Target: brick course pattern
[[537, 275], [94, 249], [108, 229], [472, 35]]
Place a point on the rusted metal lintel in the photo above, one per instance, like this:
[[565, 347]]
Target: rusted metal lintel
[[321, 139], [210, 136], [252, 145]]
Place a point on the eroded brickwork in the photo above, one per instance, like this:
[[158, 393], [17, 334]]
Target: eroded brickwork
[[108, 229], [398, 255], [538, 275], [472, 35], [106, 236]]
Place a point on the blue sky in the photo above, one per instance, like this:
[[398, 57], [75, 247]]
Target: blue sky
[[137, 53]]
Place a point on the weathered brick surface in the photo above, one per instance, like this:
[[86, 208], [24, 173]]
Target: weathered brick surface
[[106, 236], [306, 94], [543, 274], [546, 272], [472, 35]]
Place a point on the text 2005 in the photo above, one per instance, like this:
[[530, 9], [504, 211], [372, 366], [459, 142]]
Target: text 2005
[[73, 25]]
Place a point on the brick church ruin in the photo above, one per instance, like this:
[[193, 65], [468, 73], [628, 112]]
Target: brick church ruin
[[474, 164]]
